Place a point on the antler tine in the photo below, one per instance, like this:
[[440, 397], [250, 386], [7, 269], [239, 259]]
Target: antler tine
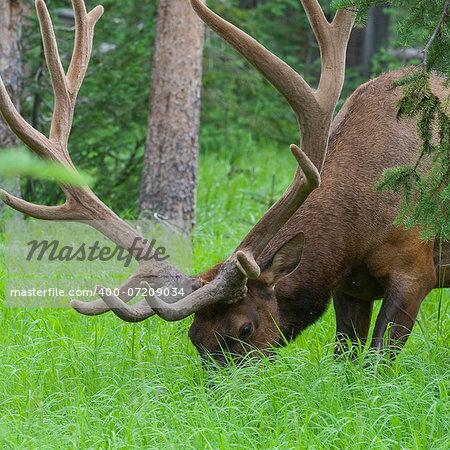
[[313, 109], [136, 313], [84, 26], [22, 129], [333, 47], [66, 88], [61, 110], [306, 179], [288, 82], [229, 285], [97, 307], [61, 212]]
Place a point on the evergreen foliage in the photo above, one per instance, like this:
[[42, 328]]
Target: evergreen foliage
[[425, 185]]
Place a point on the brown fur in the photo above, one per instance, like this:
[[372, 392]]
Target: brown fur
[[351, 252]]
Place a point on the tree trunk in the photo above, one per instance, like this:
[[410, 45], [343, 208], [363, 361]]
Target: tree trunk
[[365, 42], [169, 177], [377, 34], [10, 68]]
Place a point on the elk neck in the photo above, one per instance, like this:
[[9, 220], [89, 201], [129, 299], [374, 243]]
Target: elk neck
[[304, 295]]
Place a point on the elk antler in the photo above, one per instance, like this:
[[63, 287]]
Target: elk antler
[[314, 110], [229, 284], [81, 203]]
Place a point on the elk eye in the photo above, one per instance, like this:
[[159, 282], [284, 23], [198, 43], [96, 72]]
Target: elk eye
[[246, 331]]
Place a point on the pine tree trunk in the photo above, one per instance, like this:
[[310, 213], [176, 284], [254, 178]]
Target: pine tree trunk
[[365, 42], [169, 177], [376, 35], [10, 68]]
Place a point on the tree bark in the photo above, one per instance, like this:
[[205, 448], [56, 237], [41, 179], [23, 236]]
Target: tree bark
[[169, 178], [365, 42], [10, 68], [377, 34]]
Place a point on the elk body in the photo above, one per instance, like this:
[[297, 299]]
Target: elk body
[[260, 292], [352, 252]]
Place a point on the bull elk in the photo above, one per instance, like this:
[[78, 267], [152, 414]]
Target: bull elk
[[262, 293]]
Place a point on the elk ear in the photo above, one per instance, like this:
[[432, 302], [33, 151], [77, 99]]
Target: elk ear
[[283, 261]]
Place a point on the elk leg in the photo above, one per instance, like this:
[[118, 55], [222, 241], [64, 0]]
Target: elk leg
[[353, 317], [398, 313]]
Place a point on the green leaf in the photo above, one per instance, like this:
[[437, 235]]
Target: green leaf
[[19, 163]]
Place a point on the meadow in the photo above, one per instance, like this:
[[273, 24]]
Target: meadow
[[69, 381]]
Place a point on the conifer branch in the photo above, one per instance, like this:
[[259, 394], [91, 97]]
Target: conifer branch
[[435, 33]]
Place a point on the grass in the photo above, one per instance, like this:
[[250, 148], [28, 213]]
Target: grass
[[69, 381]]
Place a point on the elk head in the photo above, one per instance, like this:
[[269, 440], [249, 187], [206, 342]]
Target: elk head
[[236, 308], [249, 325]]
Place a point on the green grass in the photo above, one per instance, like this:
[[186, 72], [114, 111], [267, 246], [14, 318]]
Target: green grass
[[69, 381]]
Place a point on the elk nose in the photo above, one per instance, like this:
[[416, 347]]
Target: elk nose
[[213, 360]]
